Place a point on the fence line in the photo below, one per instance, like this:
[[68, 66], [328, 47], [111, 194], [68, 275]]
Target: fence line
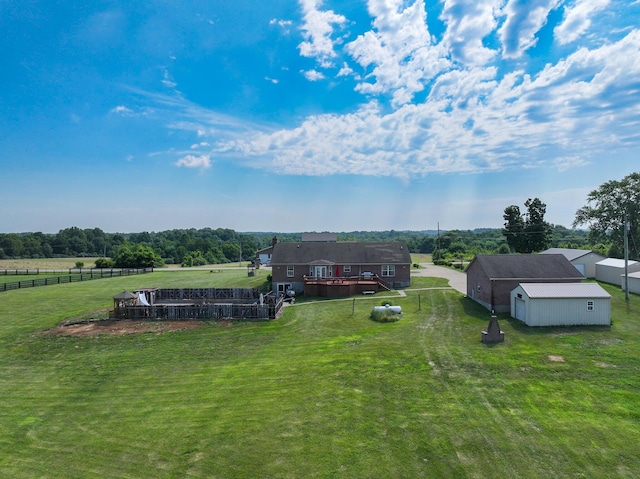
[[73, 278], [36, 271], [186, 312]]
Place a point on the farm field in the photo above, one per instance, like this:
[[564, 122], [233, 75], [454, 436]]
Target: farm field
[[321, 392], [46, 263]]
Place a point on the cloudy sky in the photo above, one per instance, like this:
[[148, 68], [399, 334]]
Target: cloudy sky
[[311, 115]]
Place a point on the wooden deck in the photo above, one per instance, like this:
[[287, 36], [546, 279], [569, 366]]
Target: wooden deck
[[342, 287]]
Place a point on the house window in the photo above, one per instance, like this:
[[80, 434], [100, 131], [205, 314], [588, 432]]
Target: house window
[[590, 305], [290, 271], [388, 270], [346, 269]]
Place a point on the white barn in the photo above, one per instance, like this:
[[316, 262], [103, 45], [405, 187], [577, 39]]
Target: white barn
[[584, 260], [611, 270], [561, 304]]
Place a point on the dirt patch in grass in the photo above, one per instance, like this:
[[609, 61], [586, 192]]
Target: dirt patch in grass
[[556, 359], [119, 328]]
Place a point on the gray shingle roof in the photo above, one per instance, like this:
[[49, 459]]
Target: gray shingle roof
[[526, 266], [341, 253]]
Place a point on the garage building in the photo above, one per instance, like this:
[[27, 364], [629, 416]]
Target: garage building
[[561, 304]]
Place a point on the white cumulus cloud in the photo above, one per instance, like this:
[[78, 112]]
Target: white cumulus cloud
[[523, 21], [317, 32], [121, 110], [577, 20], [191, 161], [313, 75], [473, 120], [468, 23], [398, 51]]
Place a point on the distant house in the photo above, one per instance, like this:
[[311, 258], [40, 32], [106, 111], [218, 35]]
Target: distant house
[[561, 304], [264, 255], [611, 270], [491, 278], [319, 237], [583, 259], [334, 268]]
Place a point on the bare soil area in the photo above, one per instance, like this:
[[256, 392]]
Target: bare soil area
[[119, 328]]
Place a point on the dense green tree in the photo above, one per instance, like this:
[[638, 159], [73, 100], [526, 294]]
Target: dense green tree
[[514, 228], [136, 256], [231, 251], [104, 263], [605, 213], [531, 233], [538, 231]]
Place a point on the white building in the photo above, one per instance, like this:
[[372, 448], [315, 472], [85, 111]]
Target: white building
[[611, 270], [584, 260], [634, 283], [561, 304]]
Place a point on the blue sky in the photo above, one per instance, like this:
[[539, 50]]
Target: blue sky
[[311, 115]]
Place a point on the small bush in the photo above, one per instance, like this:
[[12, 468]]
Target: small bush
[[442, 262], [104, 263]]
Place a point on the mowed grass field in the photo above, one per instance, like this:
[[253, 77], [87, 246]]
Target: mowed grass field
[[322, 392]]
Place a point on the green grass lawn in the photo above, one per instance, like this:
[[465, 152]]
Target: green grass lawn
[[323, 392]]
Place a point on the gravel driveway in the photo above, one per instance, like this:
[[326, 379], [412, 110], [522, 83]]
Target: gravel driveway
[[457, 279]]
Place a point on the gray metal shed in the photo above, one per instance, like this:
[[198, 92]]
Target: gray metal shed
[[584, 260], [561, 304], [634, 283], [610, 270]]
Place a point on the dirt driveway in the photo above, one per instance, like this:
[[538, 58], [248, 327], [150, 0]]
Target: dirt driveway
[[457, 279]]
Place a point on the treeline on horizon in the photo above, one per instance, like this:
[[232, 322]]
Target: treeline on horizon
[[191, 247]]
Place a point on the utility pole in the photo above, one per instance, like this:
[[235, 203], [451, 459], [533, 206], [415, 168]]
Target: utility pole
[[626, 256]]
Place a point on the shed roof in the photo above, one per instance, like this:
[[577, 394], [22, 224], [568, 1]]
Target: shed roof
[[125, 295], [614, 262], [347, 252], [564, 290], [526, 266], [570, 253]]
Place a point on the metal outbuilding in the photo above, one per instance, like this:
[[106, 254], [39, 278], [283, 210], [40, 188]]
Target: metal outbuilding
[[561, 304], [610, 270], [634, 283], [584, 260]]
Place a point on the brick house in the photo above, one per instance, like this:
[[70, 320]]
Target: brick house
[[335, 268], [491, 278]]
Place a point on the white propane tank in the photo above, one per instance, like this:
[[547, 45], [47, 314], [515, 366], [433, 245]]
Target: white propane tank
[[387, 307]]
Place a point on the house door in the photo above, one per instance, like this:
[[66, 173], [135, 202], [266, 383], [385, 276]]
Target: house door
[[320, 271], [521, 311], [283, 288]]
